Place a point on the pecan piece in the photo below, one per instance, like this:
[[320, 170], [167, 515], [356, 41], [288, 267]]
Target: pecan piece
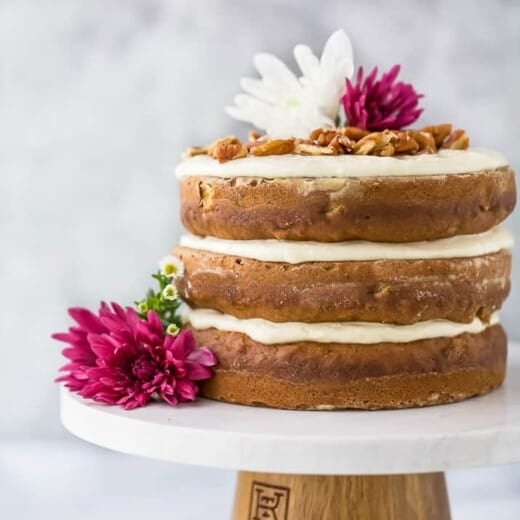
[[230, 139], [439, 132], [353, 132], [387, 151], [312, 149], [253, 135], [274, 147], [195, 150], [372, 143], [404, 143], [225, 151], [347, 143], [425, 141], [325, 138], [341, 145], [458, 140], [316, 133]]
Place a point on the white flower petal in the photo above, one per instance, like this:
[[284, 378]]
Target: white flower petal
[[251, 110], [309, 64], [275, 73], [249, 103], [247, 116], [338, 50], [259, 89], [299, 123]]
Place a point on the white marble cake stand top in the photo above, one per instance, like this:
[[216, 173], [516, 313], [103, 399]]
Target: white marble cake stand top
[[478, 432]]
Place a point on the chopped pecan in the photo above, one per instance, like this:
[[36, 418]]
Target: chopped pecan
[[313, 136], [372, 143], [322, 136], [312, 149], [425, 141], [299, 140], [346, 142], [274, 147], [230, 139], [353, 132], [254, 136], [326, 138], [339, 141], [458, 140], [195, 150], [228, 151], [341, 145], [386, 151], [404, 143], [439, 132]]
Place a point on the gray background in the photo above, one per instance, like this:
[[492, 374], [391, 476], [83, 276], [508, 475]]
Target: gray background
[[99, 97]]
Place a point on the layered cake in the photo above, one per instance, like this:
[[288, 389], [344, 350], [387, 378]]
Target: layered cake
[[346, 266]]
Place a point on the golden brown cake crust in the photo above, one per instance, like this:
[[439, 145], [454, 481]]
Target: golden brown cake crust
[[388, 291], [385, 375], [380, 209], [403, 391]]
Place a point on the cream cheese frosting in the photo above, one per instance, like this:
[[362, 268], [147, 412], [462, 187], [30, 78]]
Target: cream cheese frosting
[[271, 333], [293, 252], [444, 162]]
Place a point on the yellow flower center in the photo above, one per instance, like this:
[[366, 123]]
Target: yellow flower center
[[170, 269]]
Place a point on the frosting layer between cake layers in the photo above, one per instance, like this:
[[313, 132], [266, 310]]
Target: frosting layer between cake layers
[[270, 333], [294, 252]]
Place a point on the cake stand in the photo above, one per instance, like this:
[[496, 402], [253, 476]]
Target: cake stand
[[320, 465]]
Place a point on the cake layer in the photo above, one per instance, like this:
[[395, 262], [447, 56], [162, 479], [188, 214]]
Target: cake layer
[[387, 291], [312, 375], [374, 208]]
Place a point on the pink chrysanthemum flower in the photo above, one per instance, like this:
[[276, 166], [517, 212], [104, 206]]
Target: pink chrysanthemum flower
[[382, 104], [117, 358]]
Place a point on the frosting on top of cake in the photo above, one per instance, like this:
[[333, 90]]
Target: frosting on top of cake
[[271, 333], [443, 162], [293, 252]]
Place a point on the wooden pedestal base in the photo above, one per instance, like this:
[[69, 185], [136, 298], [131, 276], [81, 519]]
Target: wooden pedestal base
[[265, 496]]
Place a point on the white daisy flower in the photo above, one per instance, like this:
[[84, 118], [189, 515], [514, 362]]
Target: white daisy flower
[[170, 292], [171, 266], [284, 105]]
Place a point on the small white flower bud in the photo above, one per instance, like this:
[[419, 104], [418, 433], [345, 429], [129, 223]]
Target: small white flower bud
[[142, 307], [172, 329], [170, 292]]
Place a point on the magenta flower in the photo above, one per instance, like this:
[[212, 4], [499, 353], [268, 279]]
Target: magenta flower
[[117, 358], [382, 104]]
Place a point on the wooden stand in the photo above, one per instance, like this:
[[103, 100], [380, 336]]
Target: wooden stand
[[270, 496]]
